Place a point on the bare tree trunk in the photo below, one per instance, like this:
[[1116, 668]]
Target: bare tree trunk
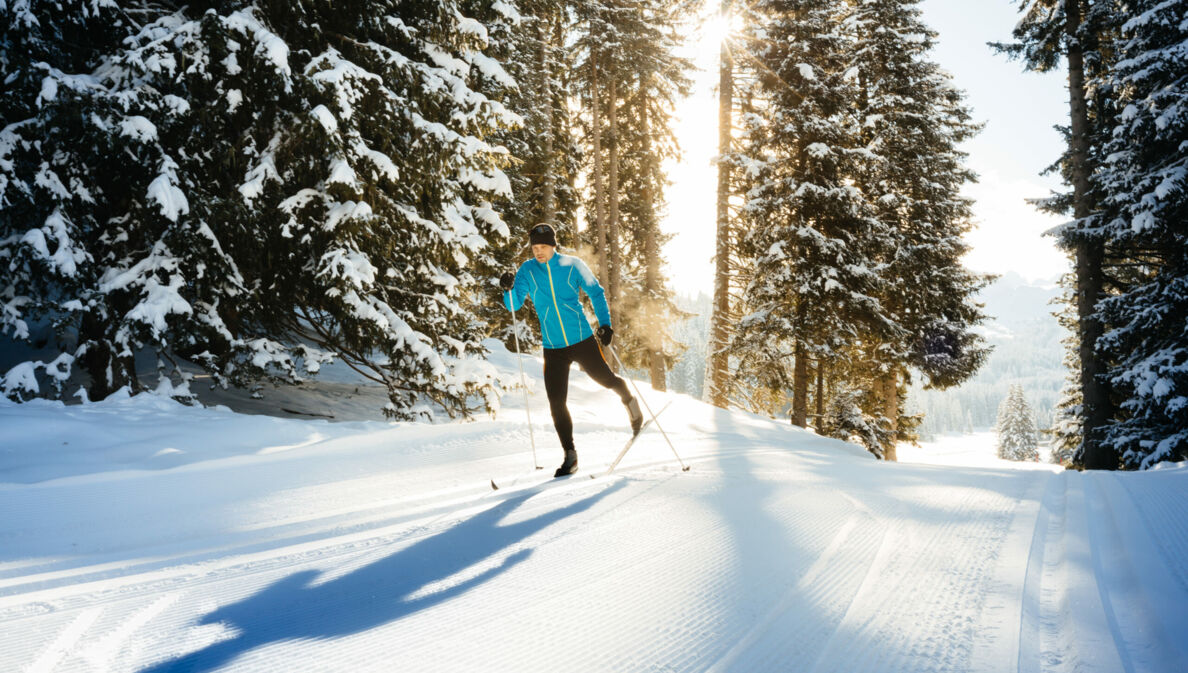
[[599, 191], [612, 229], [1089, 252], [653, 333], [819, 398], [889, 384], [800, 384], [718, 364], [549, 210]]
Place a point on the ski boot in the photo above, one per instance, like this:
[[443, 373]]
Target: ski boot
[[635, 414], [569, 466]]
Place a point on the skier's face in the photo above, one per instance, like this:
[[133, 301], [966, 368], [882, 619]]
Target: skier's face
[[542, 252]]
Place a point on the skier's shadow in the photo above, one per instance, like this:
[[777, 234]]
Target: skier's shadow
[[378, 593]]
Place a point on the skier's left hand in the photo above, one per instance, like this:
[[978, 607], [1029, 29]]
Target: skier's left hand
[[605, 333]]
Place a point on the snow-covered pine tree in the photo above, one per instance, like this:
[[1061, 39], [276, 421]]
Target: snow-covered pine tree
[[1017, 437], [529, 40], [1081, 32], [810, 233], [845, 420], [306, 181], [629, 72], [913, 121], [1066, 423], [98, 236], [1145, 179], [653, 79], [717, 383]]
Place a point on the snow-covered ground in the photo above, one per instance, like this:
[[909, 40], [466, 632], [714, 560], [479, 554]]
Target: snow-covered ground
[[978, 449], [141, 535]]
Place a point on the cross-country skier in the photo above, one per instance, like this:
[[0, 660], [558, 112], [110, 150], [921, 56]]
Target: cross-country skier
[[553, 280]]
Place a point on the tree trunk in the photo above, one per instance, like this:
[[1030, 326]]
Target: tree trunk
[[1089, 252], [889, 383], [599, 191], [549, 208], [800, 385], [819, 398], [612, 229], [653, 333], [718, 364]]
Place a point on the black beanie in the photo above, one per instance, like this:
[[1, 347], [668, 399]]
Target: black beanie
[[542, 234]]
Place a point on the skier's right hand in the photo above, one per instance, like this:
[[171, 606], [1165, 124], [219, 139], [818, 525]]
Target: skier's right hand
[[507, 280]]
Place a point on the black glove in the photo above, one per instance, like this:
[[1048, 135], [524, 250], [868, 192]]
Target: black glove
[[605, 333], [507, 280]]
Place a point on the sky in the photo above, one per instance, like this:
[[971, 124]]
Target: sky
[[1018, 109]]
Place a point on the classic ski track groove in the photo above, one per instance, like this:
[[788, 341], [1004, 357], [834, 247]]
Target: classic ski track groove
[[858, 586]]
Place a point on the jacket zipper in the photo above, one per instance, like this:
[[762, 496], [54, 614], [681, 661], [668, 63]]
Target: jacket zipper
[[555, 306]]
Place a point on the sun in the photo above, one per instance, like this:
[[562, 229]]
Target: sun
[[719, 27]]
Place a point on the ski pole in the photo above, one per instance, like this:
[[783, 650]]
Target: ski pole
[[684, 467], [523, 383]]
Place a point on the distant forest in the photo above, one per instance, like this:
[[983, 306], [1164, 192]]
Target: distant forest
[[1026, 339]]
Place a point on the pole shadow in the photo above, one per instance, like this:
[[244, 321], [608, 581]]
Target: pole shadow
[[378, 593]]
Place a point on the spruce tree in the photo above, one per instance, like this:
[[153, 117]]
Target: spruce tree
[[630, 79], [1146, 182], [717, 383], [1066, 425], [1017, 437], [100, 236], [913, 121], [1081, 32], [810, 233], [306, 181], [528, 40]]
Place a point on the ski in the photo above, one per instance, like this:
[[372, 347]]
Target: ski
[[631, 441], [536, 478]]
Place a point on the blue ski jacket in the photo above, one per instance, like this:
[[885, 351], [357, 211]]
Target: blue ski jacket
[[553, 288]]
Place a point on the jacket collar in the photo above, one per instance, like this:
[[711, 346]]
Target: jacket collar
[[553, 261]]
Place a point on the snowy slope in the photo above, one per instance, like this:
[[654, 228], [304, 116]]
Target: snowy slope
[[139, 535]]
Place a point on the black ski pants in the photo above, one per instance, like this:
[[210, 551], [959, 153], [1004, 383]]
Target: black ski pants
[[588, 355]]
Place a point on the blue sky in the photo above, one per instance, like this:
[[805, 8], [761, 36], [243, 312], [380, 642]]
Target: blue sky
[[1019, 110]]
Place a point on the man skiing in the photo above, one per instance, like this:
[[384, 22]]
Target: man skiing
[[552, 280]]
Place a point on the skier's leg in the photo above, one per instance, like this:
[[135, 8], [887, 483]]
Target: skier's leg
[[556, 376], [557, 361], [590, 358], [588, 355]]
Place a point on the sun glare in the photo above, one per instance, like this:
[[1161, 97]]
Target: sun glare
[[719, 27]]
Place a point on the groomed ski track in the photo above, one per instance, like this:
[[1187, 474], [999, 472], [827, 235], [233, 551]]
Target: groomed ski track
[[384, 549]]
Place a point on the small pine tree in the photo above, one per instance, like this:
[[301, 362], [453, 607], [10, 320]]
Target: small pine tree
[[1017, 437], [844, 419]]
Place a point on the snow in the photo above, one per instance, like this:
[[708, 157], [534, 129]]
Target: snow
[[164, 190], [138, 128], [22, 377], [268, 44], [264, 170], [158, 302], [146, 535], [342, 173], [818, 150], [48, 180], [49, 90], [326, 118], [234, 98]]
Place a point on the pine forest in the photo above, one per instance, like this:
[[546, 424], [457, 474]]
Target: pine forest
[[237, 194]]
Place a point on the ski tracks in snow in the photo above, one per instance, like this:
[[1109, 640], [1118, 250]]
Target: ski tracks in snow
[[1087, 601], [758, 560]]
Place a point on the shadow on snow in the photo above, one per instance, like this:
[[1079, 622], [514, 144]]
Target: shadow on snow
[[378, 593]]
